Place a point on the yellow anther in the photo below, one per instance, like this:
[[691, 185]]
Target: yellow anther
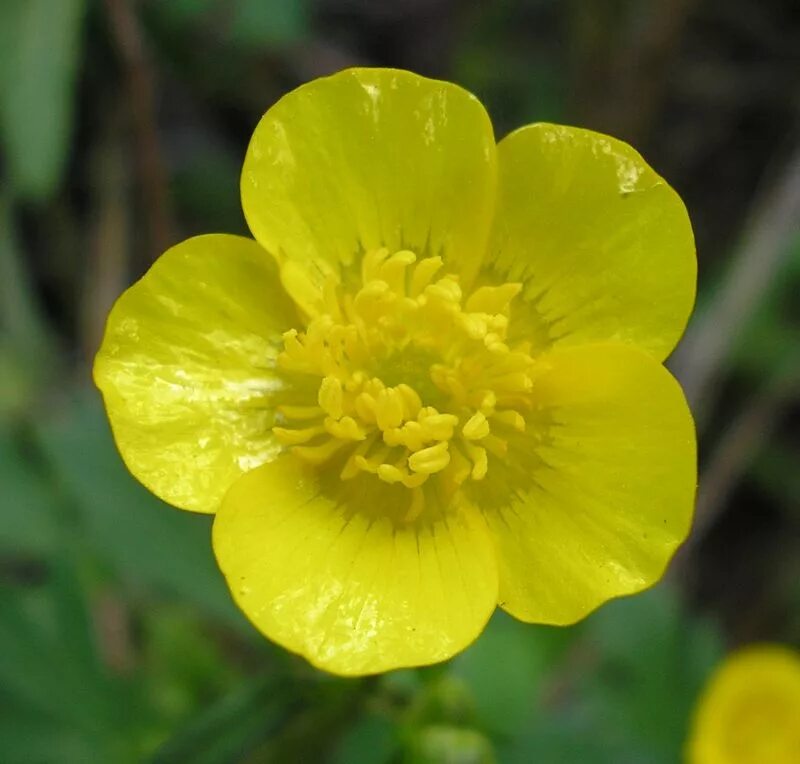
[[494, 345], [414, 435], [389, 473], [393, 270], [474, 325], [365, 407], [480, 462], [409, 435], [511, 418], [330, 397], [447, 290], [488, 402], [411, 401], [294, 356], [400, 305], [355, 381], [373, 386], [317, 455], [448, 382], [498, 323], [300, 412], [415, 479], [371, 301], [294, 437], [476, 427], [389, 409], [370, 264], [436, 426], [495, 299], [346, 428], [430, 460], [423, 273]]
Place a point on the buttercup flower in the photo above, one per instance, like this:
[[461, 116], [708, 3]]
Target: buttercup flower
[[750, 711], [433, 382]]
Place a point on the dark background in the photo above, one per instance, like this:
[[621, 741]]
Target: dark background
[[123, 128]]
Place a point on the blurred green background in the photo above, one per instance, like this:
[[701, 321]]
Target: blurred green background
[[123, 125]]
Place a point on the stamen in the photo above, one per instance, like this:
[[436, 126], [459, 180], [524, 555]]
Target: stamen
[[431, 459], [300, 412], [295, 437], [330, 397], [391, 431], [416, 506], [477, 427]]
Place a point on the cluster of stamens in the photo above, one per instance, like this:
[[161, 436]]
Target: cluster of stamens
[[402, 321]]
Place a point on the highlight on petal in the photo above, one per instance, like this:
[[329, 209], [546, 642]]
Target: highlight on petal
[[187, 368], [602, 244], [603, 490], [370, 158], [332, 573]]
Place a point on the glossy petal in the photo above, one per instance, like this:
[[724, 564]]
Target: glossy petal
[[187, 368], [603, 245], [332, 577], [603, 491], [369, 158]]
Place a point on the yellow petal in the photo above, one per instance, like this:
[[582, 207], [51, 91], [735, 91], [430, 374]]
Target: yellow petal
[[604, 493], [187, 368], [336, 576], [750, 711], [371, 158], [602, 244]]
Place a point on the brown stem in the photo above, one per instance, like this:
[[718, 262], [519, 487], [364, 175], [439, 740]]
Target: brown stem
[[127, 36], [766, 243]]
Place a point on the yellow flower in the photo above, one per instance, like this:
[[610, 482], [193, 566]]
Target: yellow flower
[[433, 382], [750, 711]]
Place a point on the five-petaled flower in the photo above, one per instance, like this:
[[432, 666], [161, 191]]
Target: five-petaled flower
[[750, 711], [432, 383]]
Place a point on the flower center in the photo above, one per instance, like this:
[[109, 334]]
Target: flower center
[[410, 383]]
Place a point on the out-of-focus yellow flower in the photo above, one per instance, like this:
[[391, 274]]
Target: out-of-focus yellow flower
[[750, 711], [432, 383]]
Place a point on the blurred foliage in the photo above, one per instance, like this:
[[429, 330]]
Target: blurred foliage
[[40, 44], [118, 640]]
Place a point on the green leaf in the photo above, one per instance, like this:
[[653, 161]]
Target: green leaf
[[53, 689], [230, 727], [565, 741], [506, 668], [772, 333], [626, 690], [39, 54], [26, 738], [249, 25], [655, 659], [268, 23], [144, 540], [26, 504], [443, 744], [26, 348], [373, 738]]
